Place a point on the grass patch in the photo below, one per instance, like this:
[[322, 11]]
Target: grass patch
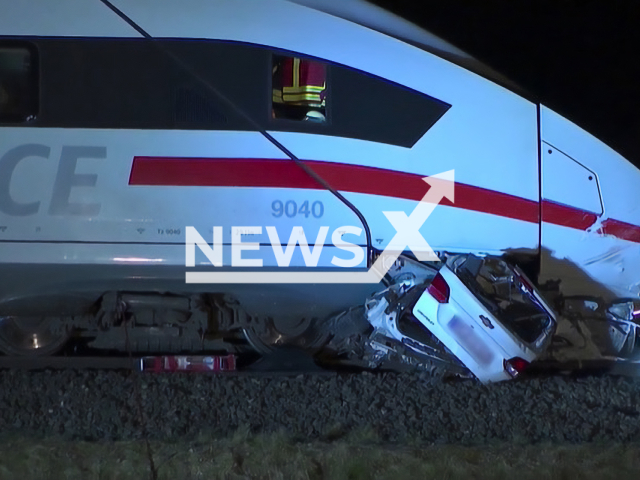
[[275, 456]]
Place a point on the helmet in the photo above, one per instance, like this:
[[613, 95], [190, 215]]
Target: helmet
[[315, 116]]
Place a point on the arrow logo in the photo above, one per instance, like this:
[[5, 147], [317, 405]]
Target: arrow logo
[[408, 228]]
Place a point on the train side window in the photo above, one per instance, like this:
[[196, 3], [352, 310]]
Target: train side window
[[18, 83], [131, 84], [299, 88], [318, 96]]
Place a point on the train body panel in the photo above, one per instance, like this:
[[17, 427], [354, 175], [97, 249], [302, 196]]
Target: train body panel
[[590, 227], [66, 288], [146, 185], [46, 200], [498, 125]]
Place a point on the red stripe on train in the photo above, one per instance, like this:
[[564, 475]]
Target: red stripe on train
[[243, 172], [271, 173]]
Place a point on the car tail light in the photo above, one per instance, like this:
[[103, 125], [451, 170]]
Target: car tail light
[[515, 366], [439, 289]]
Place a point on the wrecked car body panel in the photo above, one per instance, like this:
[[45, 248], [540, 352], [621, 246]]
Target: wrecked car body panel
[[494, 330], [593, 330], [624, 328]]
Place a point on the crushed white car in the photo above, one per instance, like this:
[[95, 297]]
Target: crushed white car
[[475, 313]]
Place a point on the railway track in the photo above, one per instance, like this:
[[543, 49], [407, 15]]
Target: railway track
[[100, 404], [284, 362]]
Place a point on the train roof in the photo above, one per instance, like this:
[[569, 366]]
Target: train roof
[[377, 18], [87, 18]]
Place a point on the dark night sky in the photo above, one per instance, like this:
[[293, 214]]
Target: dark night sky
[[579, 57]]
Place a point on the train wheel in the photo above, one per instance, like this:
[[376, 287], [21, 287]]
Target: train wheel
[[32, 336], [269, 334]]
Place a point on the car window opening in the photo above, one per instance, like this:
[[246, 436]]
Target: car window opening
[[299, 89], [501, 293]]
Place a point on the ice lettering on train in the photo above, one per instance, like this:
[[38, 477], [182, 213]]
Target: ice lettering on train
[[8, 164], [66, 179]]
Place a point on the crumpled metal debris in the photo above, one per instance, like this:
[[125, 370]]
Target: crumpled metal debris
[[624, 327], [591, 329], [385, 353]]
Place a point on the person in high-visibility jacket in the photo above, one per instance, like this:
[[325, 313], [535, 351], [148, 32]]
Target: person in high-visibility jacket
[[299, 88]]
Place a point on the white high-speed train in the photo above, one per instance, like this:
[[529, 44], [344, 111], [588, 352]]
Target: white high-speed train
[[122, 123]]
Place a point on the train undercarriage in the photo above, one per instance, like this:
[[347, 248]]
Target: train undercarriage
[[381, 333]]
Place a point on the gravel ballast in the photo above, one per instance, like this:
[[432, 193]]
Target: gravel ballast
[[94, 405]]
